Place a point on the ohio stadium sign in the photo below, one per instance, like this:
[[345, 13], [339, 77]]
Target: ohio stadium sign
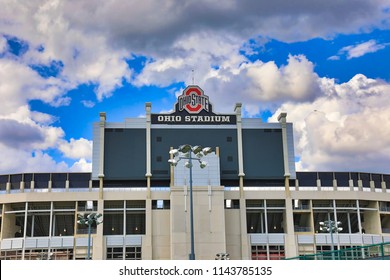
[[193, 107]]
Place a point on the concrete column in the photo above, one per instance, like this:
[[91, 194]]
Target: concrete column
[[147, 244], [102, 125], [241, 174], [148, 175], [22, 185], [98, 248], [290, 242]]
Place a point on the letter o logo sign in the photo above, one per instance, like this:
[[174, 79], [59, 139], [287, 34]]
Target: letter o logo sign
[[189, 107]]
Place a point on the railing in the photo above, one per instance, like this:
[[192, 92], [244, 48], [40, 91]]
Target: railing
[[302, 229], [380, 251]]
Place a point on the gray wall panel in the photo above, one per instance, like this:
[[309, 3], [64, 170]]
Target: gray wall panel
[[124, 154], [263, 153], [163, 139]]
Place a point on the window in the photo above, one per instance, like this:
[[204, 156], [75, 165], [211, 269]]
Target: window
[[232, 204], [161, 204], [131, 253], [229, 139], [115, 253], [158, 139], [259, 252]]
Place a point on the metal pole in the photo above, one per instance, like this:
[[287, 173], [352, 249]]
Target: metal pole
[[89, 239], [192, 254], [331, 237]]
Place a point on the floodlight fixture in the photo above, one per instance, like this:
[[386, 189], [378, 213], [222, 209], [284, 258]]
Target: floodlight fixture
[[184, 148], [206, 151], [197, 149], [331, 227], [173, 162], [187, 153], [203, 164], [89, 220], [174, 152]]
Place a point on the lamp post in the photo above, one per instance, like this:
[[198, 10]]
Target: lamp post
[[186, 152], [331, 227], [89, 220]]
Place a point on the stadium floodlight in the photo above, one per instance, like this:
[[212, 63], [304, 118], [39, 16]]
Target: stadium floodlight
[[203, 164], [92, 218], [185, 148], [331, 227], [197, 149], [172, 161], [174, 152], [206, 151], [186, 152]]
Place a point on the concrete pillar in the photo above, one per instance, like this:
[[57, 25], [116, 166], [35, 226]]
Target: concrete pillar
[[98, 248], [241, 175], [102, 125], [290, 241], [148, 175]]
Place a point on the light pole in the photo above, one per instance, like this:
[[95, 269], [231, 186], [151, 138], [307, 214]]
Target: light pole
[[186, 152], [331, 227], [89, 220]]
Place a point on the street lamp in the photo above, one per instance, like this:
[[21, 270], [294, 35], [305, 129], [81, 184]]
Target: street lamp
[[222, 256], [331, 227], [89, 220], [187, 152]]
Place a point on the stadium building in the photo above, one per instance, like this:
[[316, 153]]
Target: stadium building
[[249, 202]]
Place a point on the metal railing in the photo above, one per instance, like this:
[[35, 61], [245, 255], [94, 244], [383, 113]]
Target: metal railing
[[380, 251]]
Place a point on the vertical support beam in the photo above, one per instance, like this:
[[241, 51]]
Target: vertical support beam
[[2, 224], [8, 185], [147, 246], [98, 244], [241, 173], [148, 175], [50, 228], [102, 125], [245, 246], [22, 184], [290, 242], [172, 171], [24, 229]]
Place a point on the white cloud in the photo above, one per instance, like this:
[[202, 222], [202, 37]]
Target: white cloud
[[81, 166], [76, 149], [88, 103], [25, 161], [345, 129], [358, 50]]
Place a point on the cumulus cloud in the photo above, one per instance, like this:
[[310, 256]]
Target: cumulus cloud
[[17, 160], [75, 149], [81, 165], [344, 129]]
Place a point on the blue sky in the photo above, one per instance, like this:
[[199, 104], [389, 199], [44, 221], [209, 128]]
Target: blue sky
[[325, 64]]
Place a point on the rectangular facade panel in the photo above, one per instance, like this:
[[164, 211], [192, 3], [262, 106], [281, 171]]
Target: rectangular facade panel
[[124, 154], [163, 139], [263, 153]]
